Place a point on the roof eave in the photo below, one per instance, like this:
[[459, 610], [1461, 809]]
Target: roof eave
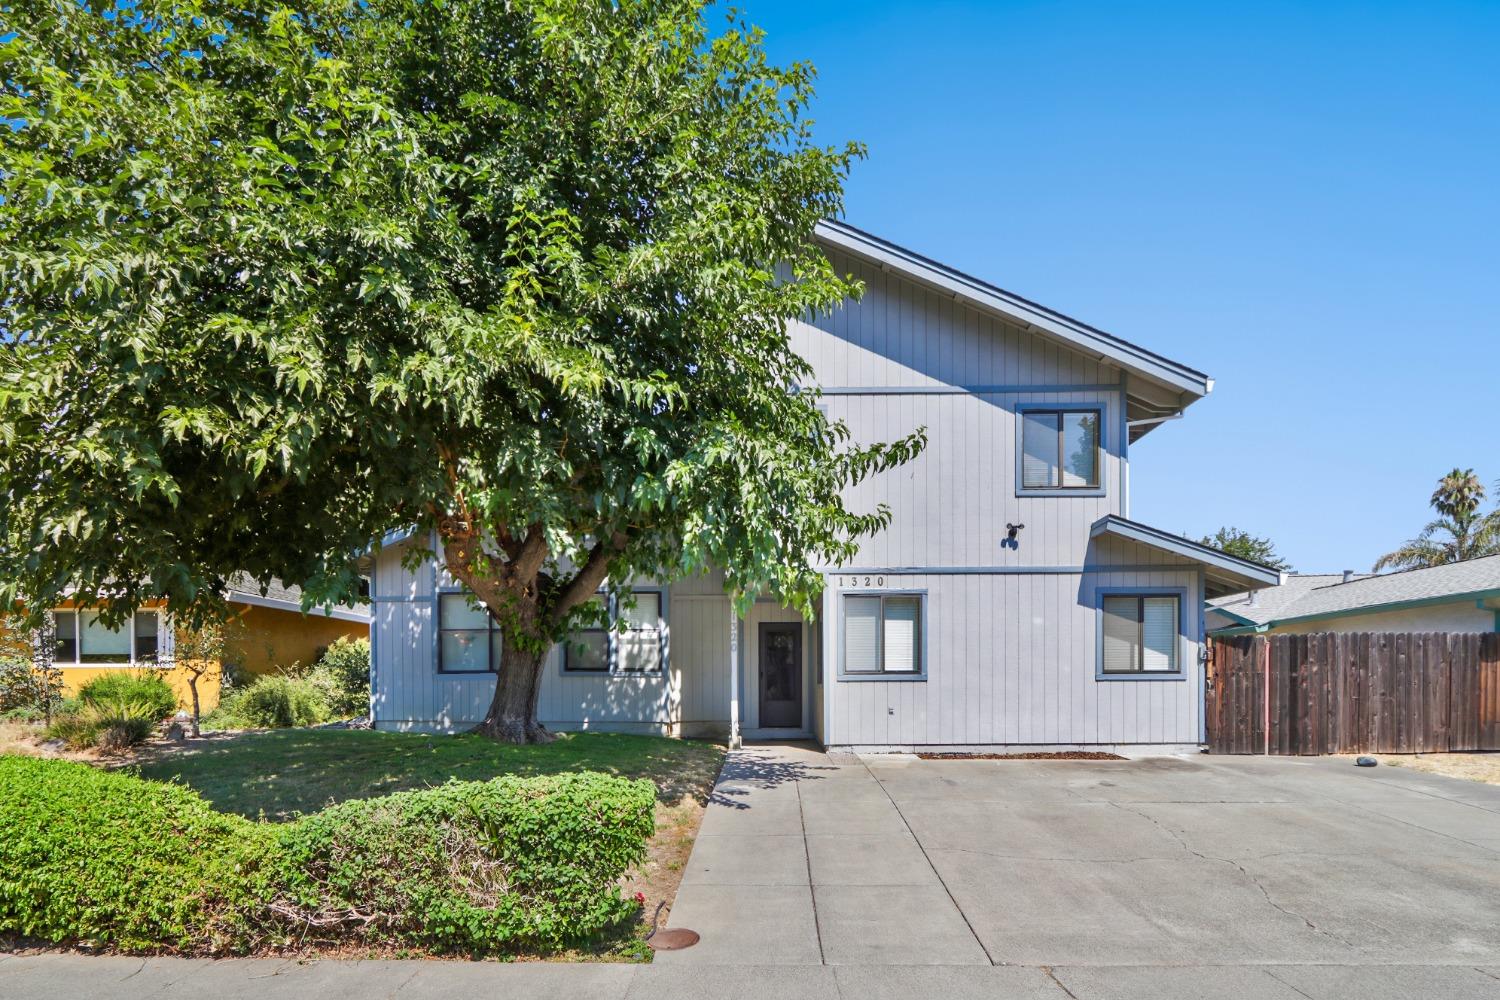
[[1230, 572]]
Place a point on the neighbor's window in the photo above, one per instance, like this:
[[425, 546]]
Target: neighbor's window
[[80, 637], [1140, 633], [634, 647], [883, 634], [468, 639], [1060, 449], [587, 649]]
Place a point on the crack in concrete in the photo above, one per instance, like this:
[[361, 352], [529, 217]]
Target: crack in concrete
[[137, 972], [406, 982], [1057, 982], [1288, 985], [812, 890], [1242, 870]]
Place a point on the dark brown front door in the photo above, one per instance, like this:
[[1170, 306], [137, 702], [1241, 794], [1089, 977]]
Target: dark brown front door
[[780, 675]]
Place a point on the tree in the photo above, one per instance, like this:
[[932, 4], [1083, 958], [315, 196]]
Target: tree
[[1244, 545], [1459, 532], [199, 650], [515, 273]]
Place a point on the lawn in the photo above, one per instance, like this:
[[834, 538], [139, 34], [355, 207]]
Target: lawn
[[280, 773]]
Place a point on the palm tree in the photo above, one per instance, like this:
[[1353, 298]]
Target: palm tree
[[1459, 532]]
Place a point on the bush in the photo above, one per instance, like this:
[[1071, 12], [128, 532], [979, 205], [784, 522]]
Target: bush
[[471, 867], [275, 701], [25, 690], [343, 671], [141, 688], [102, 857], [480, 868], [110, 726]]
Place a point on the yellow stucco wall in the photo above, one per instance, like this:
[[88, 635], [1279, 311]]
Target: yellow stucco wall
[[74, 678]]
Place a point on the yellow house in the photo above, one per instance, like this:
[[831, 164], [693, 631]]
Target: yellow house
[[273, 632]]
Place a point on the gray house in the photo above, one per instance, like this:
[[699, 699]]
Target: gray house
[[1012, 601]]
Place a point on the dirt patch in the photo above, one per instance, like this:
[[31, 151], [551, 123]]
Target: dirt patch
[[1059, 755], [677, 822], [1481, 766]]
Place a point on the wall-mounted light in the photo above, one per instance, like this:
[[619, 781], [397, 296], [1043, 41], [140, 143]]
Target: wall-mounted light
[[1012, 530]]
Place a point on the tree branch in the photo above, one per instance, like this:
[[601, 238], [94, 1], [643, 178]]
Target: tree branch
[[589, 576]]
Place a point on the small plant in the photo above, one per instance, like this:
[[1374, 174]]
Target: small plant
[[343, 671], [30, 685], [106, 725], [145, 690], [199, 652]]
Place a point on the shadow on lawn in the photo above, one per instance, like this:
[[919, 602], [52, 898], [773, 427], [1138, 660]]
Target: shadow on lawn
[[281, 773]]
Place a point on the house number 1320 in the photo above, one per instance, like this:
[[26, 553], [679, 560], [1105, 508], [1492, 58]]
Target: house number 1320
[[861, 581]]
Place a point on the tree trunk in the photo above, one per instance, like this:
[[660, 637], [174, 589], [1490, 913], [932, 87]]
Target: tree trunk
[[512, 714], [193, 687]]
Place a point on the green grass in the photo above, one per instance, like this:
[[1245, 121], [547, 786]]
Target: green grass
[[282, 773]]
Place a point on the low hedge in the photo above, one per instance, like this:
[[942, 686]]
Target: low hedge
[[479, 868]]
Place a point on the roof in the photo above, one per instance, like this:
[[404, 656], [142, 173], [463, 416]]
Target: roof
[[1306, 596], [286, 597], [1177, 384], [1222, 572]]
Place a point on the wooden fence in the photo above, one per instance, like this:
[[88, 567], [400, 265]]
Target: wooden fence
[[1354, 693]]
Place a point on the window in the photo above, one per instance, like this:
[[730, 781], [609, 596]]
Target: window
[[1060, 449], [1140, 634], [80, 637], [634, 645], [468, 640], [882, 634]]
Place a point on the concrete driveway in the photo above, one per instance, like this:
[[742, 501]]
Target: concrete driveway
[[1195, 876]]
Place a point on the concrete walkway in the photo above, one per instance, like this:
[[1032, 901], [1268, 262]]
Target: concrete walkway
[[815, 876]]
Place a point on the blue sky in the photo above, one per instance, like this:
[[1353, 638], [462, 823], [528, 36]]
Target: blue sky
[[1302, 200]]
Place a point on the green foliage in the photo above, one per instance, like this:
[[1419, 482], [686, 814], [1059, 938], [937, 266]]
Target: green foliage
[[281, 280], [145, 688], [1244, 545], [469, 867], [482, 868], [1460, 531], [274, 701], [101, 857], [343, 671], [30, 686]]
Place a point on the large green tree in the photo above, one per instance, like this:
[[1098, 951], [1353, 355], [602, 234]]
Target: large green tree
[[1238, 542], [1460, 531], [515, 273]]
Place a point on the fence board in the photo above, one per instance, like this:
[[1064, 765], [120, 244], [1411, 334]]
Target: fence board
[[1354, 693]]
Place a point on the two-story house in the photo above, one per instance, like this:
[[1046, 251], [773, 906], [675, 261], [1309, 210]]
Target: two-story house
[[1012, 601]]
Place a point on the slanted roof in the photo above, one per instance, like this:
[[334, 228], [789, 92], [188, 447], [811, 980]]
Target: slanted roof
[[1157, 386], [1222, 572], [1306, 597], [287, 597]]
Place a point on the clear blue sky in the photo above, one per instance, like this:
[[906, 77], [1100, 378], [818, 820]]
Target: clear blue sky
[[1302, 200]]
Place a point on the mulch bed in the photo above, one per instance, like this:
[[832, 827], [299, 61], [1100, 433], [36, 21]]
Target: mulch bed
[[1060, 755]]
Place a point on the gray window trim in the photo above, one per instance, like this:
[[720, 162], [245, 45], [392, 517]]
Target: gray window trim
[[1101, 407], [437, 636], [613, 670], [1181, 673], [882, 676]]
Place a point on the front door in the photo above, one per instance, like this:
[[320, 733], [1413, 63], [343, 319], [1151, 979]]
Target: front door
[[780, 675]]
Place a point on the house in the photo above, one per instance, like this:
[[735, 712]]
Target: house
[[271, 632], [1459, 597], [1012, 601]]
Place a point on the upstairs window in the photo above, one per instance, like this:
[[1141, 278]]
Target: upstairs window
[[882, 634], [1140, 634], [468, 639], [1060, 449]]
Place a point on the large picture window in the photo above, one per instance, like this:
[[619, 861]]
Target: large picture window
[[882, 634], [1060, 449], [80, 636], [1140, 634], [468, 639]]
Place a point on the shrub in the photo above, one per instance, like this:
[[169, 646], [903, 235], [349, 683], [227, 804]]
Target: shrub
[[110, 726], [472, 867], [343, 671], [148, 691], [99, 856], [25, 690], [482, 868], [275, 701]]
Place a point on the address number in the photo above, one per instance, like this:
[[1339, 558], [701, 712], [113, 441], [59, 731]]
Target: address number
[[861, 581]]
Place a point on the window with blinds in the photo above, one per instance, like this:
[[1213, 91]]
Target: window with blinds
[[1060, 449], [883, 634], [1140, 633]]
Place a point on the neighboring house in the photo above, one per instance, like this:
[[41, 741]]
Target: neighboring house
[[272, 632], [1459, 597], [1011, 601]]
